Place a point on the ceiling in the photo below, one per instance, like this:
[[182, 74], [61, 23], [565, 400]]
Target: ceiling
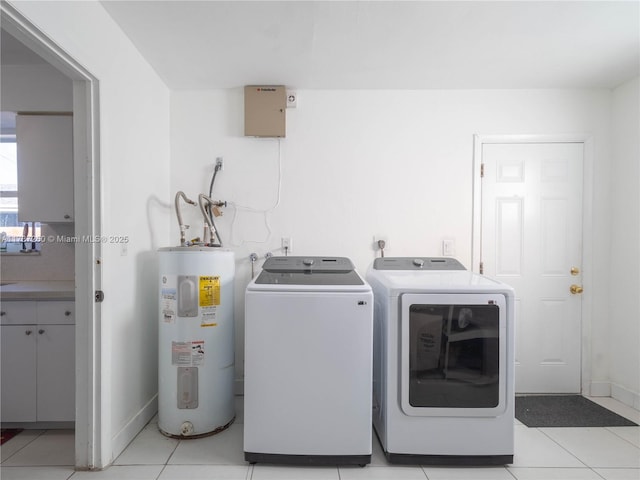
[[210, 44], [385, 44]]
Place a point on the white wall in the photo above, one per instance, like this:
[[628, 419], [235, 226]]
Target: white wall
[[35, 88], [361, 163], [134, 166], [624, 314]]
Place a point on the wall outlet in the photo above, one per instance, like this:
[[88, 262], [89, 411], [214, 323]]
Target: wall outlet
[[380, 243], [292, 99], [219, 163], [448, 247], [287, 244]]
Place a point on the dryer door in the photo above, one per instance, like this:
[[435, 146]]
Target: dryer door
[[453, 354]]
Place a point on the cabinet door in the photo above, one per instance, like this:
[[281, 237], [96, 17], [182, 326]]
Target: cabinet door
[[18, 373], [56, 373], [45, 168]]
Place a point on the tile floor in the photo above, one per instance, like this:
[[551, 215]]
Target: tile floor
[[540, 454]]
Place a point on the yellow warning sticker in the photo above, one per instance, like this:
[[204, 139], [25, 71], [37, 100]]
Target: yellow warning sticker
[[209, 291]]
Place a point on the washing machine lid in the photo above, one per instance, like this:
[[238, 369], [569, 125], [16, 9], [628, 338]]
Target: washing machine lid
[[308, 271], [417, 263]]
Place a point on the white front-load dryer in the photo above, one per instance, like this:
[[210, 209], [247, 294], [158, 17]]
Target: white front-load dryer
[[308, 363], [443, 363]]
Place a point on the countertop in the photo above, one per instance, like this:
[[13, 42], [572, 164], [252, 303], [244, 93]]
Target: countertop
[[37, 290]]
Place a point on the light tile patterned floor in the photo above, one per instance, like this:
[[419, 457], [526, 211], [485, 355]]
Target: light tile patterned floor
[[540, 454]]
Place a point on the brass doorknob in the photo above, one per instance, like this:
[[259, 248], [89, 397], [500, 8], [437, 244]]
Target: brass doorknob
[[576, 289]]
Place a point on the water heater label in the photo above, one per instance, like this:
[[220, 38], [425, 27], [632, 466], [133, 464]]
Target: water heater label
[[187, 354], [209, 291], [169, 298], [209, 317]]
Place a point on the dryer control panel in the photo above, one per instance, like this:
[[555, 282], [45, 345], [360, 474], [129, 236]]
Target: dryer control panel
[[417, 263]]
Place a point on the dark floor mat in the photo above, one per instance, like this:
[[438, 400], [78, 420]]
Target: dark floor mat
[[7, 434], [565, 411]]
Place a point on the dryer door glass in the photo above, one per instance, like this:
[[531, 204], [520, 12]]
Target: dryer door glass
[[454, 355]]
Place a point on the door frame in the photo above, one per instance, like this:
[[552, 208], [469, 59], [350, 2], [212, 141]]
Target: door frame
[[92, 445], [479, 140]]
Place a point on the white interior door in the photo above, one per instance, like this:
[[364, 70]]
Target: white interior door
[[532, 240]]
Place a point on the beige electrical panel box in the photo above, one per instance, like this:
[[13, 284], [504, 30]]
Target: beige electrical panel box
[[265, 111]]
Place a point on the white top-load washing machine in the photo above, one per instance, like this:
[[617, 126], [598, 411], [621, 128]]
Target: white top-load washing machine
[[443, 363], [308, 363]]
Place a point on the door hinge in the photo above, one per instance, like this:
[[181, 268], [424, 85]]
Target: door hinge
[[482, 170], [99, 296], [481, 268]]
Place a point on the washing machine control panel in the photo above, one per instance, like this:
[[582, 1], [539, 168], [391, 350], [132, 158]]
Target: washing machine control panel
[[303, 264], [309, 271]]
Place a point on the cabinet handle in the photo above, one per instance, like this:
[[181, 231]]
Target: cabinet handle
[[2, 314], [41, 331], [67, 216], [67, 313], [28, 332]]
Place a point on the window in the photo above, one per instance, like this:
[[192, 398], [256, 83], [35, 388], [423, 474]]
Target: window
[[11, 230]]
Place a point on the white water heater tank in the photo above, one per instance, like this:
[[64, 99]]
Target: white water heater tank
[[196, 341]]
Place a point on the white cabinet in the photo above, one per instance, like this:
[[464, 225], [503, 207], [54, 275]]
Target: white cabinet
[[55, 370], [38, 362], [45, 168], [18, 373]]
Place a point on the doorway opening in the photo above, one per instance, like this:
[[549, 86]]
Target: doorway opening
[[89, 447]]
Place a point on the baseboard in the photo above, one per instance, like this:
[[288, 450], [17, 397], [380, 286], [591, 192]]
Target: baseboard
[[617, 392], [623, 395], [133, 427], [600, 389]]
